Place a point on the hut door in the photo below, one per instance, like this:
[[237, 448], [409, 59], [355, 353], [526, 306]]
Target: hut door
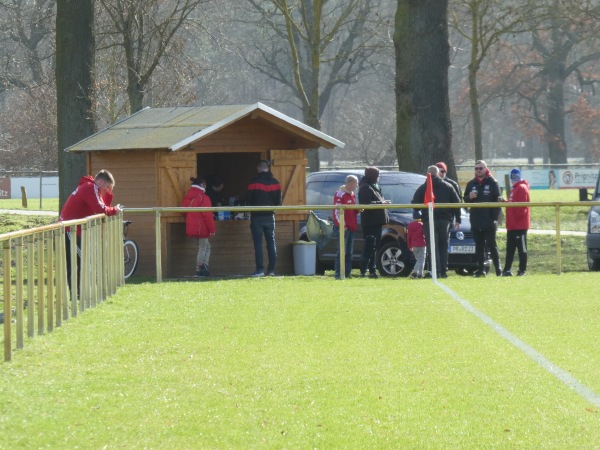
[[289, 167], [175, 172]]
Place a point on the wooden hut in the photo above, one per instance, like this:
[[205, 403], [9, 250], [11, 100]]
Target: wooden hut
[[154, 152]]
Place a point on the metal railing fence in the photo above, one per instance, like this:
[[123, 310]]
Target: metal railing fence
[[35, 274]]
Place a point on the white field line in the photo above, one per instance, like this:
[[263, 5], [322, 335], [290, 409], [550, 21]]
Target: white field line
[[565, 377]]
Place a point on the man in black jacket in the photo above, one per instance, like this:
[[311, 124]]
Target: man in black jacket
[[369, 193], [484, 221], [263, 190], [442, 218]]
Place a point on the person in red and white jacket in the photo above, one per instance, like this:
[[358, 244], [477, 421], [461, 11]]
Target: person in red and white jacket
[[415, 240], [345, 196], [517, 224], [199, 224], [93, 195]]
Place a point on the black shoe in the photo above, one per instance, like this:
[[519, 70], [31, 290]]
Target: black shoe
[[428, 275], [521, 273], [498, 272], [204, 271], [413, 276], [507, 273], [373, 275], [480, 274], [443, 275], [363, 274]]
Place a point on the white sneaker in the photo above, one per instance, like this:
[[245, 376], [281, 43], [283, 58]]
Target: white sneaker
[[258, 273]]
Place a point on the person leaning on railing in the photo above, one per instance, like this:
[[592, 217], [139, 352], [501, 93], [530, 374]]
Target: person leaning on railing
[[93, 195]]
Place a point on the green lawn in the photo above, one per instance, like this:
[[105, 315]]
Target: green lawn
[[307, 362], [48, 204]]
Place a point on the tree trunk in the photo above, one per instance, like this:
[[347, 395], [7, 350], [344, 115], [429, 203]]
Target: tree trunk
[[75, 52], [475, 114], [424, 131], [312, 120], [557, 145]]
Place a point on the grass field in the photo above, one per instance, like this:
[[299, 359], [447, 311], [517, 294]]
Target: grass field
[[305, 362]]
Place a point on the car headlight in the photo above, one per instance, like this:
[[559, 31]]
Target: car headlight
[[594, 222]]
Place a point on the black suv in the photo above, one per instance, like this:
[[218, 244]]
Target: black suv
[[393, 257]]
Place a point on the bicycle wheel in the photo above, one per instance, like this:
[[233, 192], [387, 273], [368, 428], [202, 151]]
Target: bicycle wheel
[[130, 253]]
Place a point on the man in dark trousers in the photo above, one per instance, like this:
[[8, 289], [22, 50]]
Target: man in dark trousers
[[442, 218], [263, 190], [369, 193], [484, 221]]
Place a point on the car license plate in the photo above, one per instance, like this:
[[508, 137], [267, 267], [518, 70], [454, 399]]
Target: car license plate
[[462, 249]]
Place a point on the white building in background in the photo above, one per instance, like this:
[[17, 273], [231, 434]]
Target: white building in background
[[36, 187]]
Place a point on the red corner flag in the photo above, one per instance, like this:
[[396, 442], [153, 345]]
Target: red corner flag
[[429, 197]]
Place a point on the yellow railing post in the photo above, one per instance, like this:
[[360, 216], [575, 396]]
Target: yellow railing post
[[30, 286], [7, 301], [342, 244], [19, 290], [40, 290], [120, 253], [74, 272], [158, 247], [58, 275], [50, 282], [558, 245], [84, 294]]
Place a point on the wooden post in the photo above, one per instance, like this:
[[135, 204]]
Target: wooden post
[[7, 303], [24, 196]]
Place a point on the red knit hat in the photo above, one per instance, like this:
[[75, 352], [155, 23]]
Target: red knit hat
[[442, 166]]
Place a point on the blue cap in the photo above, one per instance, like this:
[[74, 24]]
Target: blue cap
[[515, 175]]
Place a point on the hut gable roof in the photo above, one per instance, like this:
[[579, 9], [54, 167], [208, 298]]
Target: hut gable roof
[[177, 127]]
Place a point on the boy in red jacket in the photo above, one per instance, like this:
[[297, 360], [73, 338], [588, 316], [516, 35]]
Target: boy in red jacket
[[345, 196], [517, 224], [92, 196], [415, 240], [201, 224]]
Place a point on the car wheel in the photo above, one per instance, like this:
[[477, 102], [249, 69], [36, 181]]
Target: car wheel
[[593, 264], [392, 261]]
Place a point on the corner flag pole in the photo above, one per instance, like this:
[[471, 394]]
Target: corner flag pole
[[429, 201]]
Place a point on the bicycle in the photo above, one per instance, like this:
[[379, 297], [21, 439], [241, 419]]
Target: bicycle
[[130, 251]]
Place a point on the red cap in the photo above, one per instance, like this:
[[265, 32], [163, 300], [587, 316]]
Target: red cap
[[442, 166]]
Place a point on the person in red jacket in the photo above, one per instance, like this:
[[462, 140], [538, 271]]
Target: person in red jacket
[[345, 196], [93, 195], [517, 224], [415, 240], [199, 224]]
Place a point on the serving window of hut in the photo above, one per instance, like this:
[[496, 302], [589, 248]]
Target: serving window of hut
[[234, 169]]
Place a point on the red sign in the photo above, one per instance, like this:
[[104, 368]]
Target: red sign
[[4, 188]]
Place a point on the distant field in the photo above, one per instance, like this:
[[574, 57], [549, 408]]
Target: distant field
[[48, 204]]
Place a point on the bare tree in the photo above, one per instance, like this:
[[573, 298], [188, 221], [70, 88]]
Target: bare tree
[[26, 34], [483, 23], [28, 111], [147, 31], [564, 45], [314, 46]]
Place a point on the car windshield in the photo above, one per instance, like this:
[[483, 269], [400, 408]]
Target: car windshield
[[399, 194]]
